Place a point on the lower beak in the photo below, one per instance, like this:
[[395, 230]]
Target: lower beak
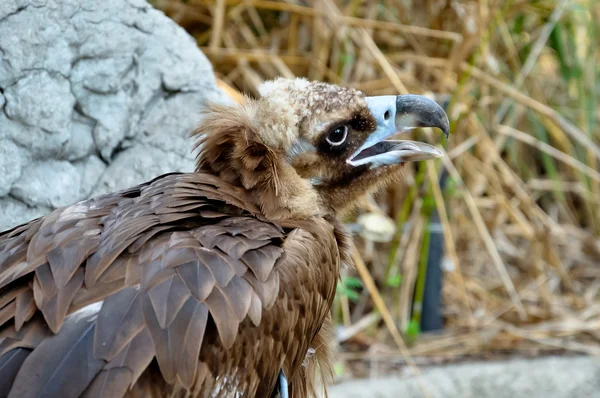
[[395, 114]]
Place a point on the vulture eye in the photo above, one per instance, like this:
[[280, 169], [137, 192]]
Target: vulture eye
[[337, 136]]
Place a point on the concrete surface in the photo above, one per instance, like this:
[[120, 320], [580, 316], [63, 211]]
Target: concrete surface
[[550, 377], [94, 96]]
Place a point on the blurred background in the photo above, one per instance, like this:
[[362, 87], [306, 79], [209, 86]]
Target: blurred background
[[492, 251]]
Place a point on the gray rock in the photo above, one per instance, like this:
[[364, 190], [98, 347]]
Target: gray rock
[[110, 113], [95, 96], [90, 169], [14, 212], [81, 141], [132, 167], [10, 7], [36, 35], [50, 183], [37, 142], [10, 165], [40, 99], [179, 114]]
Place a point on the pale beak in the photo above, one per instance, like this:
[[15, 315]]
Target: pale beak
[[395, 114]]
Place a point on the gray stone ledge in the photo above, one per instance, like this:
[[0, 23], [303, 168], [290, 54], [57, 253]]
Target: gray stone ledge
[[547, 377]]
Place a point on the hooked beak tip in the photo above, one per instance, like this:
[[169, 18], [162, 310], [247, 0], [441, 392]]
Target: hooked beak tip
[[419, 111]]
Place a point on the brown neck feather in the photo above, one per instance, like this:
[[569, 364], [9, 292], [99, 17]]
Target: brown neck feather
[[231, 149], [346, 195]]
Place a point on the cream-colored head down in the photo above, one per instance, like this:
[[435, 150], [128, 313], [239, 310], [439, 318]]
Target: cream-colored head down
[[289, 110]]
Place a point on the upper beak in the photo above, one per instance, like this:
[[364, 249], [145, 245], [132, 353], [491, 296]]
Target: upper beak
[[395, 114]]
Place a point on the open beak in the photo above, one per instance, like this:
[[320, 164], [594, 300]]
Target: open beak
[[396, 114]]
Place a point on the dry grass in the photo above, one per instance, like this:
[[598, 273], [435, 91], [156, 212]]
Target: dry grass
[[521, 213]]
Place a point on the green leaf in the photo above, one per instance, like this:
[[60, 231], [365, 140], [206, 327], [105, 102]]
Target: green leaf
[[428, 204], [352, 295], [451, 188], [338, 368], [394, 280], [414, 329], [352, 282], [344, 290]]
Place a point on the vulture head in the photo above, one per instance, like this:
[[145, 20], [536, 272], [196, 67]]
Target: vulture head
[[313, 148]]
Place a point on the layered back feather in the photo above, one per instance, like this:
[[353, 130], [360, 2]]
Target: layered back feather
[[177, 287]]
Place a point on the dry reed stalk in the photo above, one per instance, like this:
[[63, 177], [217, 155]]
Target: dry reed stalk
[[410, 266], [217, 31]]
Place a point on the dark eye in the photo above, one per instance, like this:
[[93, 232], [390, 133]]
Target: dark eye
[[337, 136]]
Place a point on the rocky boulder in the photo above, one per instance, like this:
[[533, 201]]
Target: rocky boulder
[[95, 96]]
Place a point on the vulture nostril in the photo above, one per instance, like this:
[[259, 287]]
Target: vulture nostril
[[387, 115]]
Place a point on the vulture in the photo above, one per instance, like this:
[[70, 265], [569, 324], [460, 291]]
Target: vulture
[[212, 283]]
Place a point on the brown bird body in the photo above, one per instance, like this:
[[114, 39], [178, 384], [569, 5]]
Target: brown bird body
[[203, 284]]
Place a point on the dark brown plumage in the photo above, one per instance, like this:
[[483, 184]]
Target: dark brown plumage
[[206, 283]]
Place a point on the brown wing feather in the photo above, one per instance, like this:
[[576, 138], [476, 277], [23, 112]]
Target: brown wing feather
[[177, 268], [109, 383], [10, 363], [25, 308], [118, 323], [60, 366]]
